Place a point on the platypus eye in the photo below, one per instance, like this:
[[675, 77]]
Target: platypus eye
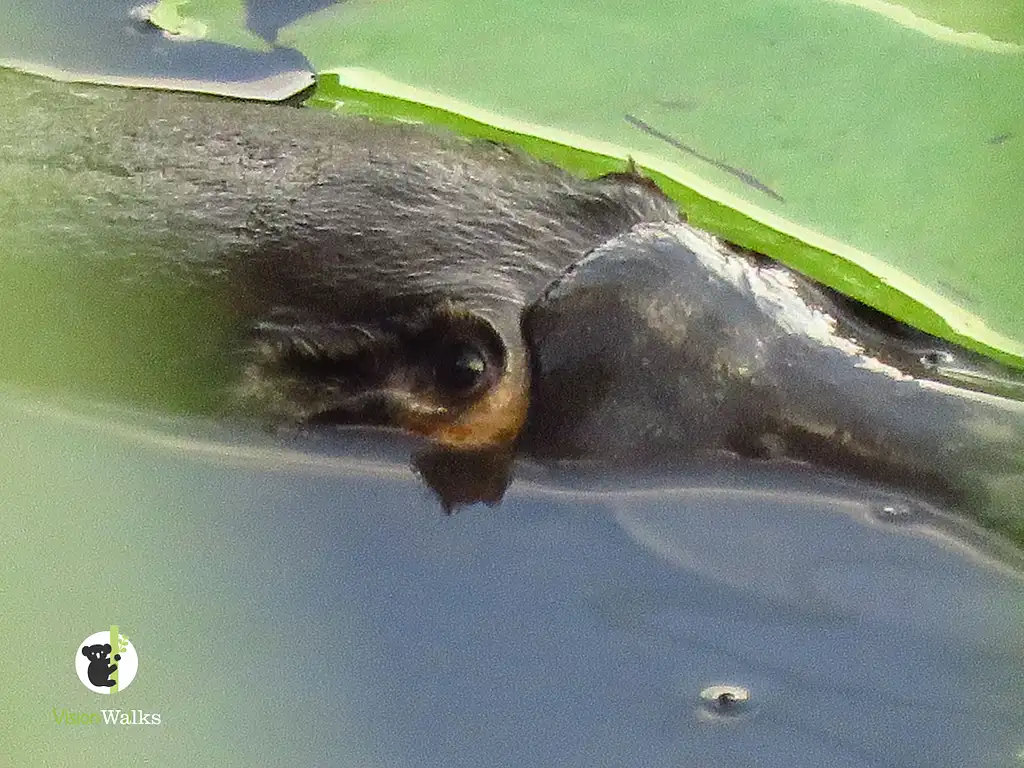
[[460, 355], [461, 367]]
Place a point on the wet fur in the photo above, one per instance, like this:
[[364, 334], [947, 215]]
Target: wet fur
[[306, 205], [287, 216]]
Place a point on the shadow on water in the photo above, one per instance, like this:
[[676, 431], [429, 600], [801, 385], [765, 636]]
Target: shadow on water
[[266, 17], [304, 599]]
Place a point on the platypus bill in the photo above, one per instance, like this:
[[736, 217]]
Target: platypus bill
[[373, 273], [668, 342]]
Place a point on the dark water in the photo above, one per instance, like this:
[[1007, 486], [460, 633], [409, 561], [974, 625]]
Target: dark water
[[101, 37], [299, 601]]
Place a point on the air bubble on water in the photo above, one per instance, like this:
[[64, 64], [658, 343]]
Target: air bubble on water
[[895, 512], [723, 701]]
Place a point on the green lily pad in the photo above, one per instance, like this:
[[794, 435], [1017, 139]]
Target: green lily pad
[[982, 25], [219, 21], [809, 131]]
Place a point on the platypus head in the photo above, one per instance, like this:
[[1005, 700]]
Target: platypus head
[[402, 307], [444, 369]]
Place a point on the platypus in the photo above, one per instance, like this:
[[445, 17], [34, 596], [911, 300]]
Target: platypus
[[666, 341], [370, 272], [353, 272]]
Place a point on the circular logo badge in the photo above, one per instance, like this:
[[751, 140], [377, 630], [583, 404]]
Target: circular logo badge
[[106, 662]]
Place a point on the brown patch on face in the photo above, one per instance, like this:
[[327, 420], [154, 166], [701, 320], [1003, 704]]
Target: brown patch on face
[[445, 373], [494, 418]]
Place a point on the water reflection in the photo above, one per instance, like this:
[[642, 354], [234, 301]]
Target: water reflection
[[303, 601], [103, 37]]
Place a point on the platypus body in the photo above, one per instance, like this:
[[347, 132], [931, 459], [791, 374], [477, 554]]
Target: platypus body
[[360, 272]]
